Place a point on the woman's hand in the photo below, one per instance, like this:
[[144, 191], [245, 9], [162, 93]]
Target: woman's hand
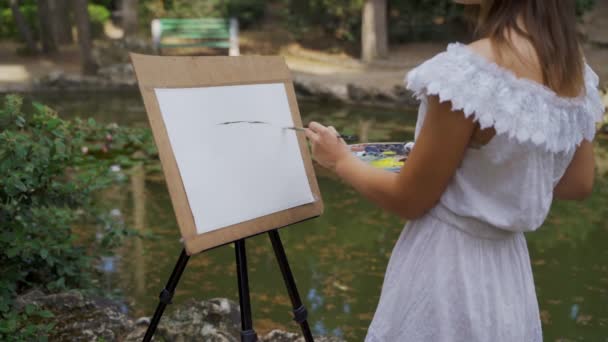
[[328, 149]]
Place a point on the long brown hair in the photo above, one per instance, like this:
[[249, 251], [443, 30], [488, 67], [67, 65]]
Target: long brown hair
[[550, 26]]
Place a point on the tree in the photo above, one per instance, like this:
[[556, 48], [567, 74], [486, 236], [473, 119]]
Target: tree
[[374, 30], [61, 21], [24, 30], [129, 17], [83, 27], [48, 38]]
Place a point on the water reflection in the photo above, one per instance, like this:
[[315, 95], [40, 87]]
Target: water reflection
[[339, 259]]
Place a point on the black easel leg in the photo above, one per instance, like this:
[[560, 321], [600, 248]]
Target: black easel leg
[[299, 310], [247, 333], [167, 294]]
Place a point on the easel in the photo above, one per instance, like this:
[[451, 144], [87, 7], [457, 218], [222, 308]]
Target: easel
[[248, 334], [193, 72]]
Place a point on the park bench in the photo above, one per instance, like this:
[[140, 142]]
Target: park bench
[[203, 32]]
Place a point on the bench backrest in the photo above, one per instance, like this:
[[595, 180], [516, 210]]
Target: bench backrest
[[207, 32]]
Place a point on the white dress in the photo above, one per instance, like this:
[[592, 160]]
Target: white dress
[[462, 272]]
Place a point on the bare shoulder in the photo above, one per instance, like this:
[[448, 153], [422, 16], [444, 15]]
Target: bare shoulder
[[483, 47], [519, 56]]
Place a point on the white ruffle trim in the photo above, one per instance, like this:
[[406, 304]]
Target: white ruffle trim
[[495, 96]]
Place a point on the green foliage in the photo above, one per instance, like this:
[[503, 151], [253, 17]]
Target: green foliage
[[417, 20], [98, 15], [105, 3], [8, 29], [583, 6], [26, 325], [248, 12], [340, 18], [423, 20], [51, 171]]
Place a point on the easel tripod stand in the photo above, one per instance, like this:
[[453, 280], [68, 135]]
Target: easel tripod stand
[[248, 334]]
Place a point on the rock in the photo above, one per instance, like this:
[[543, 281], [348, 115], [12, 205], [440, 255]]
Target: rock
[[55, 76], [80, 318], [307, 88], [338, 91], [143, 321], [116, 77], [283, 336], [358, 94], [83, 318], [215, 320], [119, 74], [115, 69], [116, 51]]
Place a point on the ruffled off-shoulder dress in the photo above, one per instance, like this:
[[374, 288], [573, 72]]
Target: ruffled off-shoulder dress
[[462, 272]]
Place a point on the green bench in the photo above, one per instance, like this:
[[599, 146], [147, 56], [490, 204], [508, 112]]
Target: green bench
[[203, 32]]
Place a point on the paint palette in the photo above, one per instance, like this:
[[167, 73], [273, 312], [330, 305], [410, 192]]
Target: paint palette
[[388, 156]]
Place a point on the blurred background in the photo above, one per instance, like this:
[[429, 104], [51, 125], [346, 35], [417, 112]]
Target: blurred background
[[108, 230]]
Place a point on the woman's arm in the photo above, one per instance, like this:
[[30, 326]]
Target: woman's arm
[[577, 181], [439, 150]]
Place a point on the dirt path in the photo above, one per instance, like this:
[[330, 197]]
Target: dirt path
[[17, 73]]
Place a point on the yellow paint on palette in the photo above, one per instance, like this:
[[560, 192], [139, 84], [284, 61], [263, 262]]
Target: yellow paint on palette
[[386, 163]]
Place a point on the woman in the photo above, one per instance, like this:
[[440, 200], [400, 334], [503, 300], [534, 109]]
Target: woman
[[505, 125]]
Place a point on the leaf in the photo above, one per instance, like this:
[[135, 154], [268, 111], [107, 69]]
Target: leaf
[[39, 107], [59, 147], [53, 123], [8, 325], [12, 252], [17, 183], [20, 121], [45, 314], [30, 308]]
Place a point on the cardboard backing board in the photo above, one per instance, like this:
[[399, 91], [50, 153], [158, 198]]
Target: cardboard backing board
[[154, 72]]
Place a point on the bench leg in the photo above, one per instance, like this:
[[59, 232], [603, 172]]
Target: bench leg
[[234, 38]]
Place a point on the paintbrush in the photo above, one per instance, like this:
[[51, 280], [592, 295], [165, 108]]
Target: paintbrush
[[347, 138]]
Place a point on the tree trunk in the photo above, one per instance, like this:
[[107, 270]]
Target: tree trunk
[[83, 26], [62, 21], [129, 17], [24, 30], [374, 32], [47, 36]]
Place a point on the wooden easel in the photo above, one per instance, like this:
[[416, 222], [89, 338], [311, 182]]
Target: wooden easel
[[195, 72]]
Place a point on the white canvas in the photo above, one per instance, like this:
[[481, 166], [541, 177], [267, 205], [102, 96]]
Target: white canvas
[[235, 173]]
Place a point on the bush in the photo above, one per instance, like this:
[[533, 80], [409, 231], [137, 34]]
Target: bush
[[583, 6], [339, 18], [51, 170], [418, 20], [425, 20], [8, 29], [248, 12]]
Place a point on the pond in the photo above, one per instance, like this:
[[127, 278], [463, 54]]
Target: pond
[[338, 259]]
